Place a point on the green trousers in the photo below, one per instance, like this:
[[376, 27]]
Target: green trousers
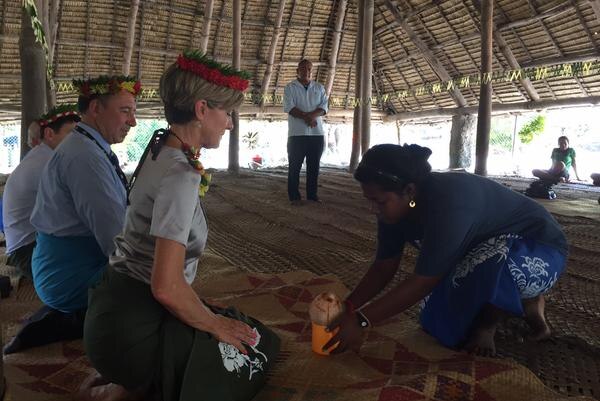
[[132, 340]]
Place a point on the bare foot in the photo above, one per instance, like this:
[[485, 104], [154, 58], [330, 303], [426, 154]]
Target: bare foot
[[534, 316], [482, 342], [97, 388]]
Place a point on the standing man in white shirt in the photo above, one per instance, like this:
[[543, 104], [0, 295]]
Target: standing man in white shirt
[[305, 102], [22, 185]]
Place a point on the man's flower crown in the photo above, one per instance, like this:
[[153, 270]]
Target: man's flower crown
[[212, 71], [105, 85], [67, 109]]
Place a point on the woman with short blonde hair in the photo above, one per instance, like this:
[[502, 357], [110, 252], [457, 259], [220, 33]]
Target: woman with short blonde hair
[[147, 331]]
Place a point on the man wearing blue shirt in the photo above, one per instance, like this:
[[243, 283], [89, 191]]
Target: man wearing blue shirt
[[305, 102], [80, 207], [22, 185]]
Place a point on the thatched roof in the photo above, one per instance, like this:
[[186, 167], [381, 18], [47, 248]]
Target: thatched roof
[[416, 45]]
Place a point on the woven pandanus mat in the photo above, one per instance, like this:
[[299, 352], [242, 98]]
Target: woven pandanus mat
[[253, 226]]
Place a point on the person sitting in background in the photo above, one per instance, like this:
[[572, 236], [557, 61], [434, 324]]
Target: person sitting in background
[[596, 179], [33, 134], [79, 209], [22, 185], [563, 158]]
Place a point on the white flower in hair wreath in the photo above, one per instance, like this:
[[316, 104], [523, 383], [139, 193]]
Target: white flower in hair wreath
[[234, 360]]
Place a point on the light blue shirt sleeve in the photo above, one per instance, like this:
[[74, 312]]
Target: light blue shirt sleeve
[[97, 201], [80, 193], [288, 99], [324, 101]]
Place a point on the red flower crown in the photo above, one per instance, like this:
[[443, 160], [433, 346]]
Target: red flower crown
[[64, 110], [213, 72]]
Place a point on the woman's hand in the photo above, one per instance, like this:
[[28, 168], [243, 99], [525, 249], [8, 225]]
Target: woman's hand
[[234, 332], [349, 333]]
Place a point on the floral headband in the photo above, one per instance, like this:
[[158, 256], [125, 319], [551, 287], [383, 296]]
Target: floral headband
[[104, 85], [212, 71], [58, 112]]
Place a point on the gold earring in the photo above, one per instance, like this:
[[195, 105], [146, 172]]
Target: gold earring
[[412, 203]]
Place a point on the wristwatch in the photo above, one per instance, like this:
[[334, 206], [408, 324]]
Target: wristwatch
[[362, 319]]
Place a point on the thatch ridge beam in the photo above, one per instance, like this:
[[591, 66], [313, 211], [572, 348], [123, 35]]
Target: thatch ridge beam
[[497, 108], [335, 45], [435, 64], [130, 36], [272, 48]]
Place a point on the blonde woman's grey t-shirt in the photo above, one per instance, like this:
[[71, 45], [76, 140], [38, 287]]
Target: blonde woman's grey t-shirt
[[164, 204]]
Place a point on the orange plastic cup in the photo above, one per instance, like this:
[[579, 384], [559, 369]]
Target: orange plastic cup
[[320, 337]]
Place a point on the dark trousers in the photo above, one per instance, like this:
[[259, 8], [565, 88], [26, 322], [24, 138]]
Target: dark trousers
[[47, 326], [300, 147], [21, 259]]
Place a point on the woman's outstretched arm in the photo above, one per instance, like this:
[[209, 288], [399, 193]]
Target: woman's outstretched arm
[[178, 297], [377, 277]]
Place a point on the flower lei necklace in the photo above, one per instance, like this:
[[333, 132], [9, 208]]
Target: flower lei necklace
[[193, 157]]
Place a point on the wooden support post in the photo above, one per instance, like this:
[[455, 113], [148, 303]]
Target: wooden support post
[[33, 78], [130, 38], [208, 9], [51, 30], [335, 45], [367, 76], [356, 125], [234, 134], [485, 95], [461, 140], [264, 88]]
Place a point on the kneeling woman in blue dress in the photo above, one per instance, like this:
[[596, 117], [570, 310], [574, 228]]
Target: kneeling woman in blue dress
[[484, 251], [147, 332]]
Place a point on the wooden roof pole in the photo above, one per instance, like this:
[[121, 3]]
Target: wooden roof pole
[[208, 10], [234, 134], [335, 45], [33, 76], [141, 42], [356, 125], [510, 57], [50, 24], [264, 88], [366, 76], [485, 95], [428, 55], [130, 38]]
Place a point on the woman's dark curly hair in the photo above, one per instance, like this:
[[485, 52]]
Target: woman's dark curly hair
[[394, 166]]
